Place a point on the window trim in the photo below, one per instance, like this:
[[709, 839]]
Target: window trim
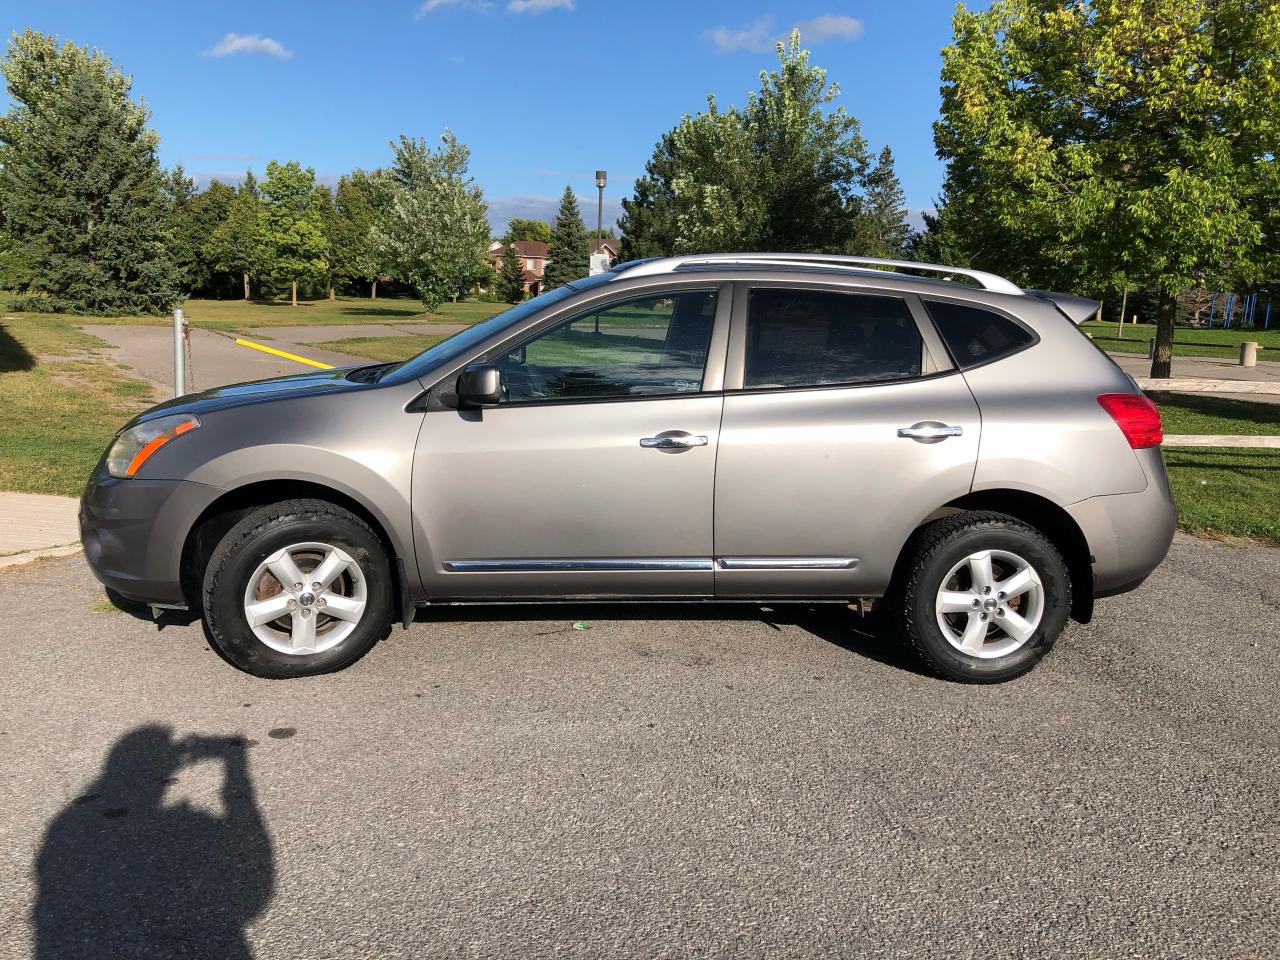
[[441, 396], [736, 360], [974, 305]]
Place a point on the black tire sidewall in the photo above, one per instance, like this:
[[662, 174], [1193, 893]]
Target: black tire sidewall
[[229, 575], [934, 564]]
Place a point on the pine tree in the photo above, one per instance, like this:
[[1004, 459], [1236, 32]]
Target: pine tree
[[568, 257], [82, 193], [510, 285], [235, 246], [882, 227]]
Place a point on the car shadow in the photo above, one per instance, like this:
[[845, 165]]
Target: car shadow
[[123, 873], [14, 357], [870, 636], [141, 611]]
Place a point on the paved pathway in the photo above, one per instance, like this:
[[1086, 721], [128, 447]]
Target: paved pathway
[[323, 334], [34, 525]]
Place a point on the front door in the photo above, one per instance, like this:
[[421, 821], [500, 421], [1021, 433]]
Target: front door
[[594, 477], [844, 425]]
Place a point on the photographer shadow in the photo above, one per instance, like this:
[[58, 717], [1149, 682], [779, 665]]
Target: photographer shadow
[[122, 873]]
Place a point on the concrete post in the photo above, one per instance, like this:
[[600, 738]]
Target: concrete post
[[179, 353], [1249, 353], [1151, 348]]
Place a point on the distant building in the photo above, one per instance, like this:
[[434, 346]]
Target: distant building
[[533, 261]]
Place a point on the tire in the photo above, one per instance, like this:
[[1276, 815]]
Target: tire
[[950, 635], [309, 534]]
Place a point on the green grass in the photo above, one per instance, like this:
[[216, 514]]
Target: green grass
[[1141, 332], [391, 349], [1231, 492], [1223, 491], [236, 316], [1198, 413], [61, 401]]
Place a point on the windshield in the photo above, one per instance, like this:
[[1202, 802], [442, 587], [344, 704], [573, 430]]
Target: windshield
[[463, 340]]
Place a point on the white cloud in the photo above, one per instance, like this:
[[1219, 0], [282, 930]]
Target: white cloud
[[248, 43], [430, 6], [537, 6], [760, 36]]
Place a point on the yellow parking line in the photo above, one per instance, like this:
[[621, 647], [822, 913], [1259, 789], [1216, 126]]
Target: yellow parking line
[[281, 353]]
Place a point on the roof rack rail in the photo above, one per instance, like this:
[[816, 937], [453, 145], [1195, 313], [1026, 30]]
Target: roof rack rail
[[988, 281]]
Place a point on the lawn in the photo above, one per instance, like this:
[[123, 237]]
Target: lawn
[[1221, 491], [61, 401], [380, 348], [1140, 333], [236, 316]]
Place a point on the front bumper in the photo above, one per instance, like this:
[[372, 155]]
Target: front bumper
[[134, 531]]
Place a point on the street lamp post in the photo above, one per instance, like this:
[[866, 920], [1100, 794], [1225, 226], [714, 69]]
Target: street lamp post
[[602, 177]]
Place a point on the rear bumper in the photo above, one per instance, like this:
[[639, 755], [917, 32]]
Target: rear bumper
[[1129, 533], [133, 532]]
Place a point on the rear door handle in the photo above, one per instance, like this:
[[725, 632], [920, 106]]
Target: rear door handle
[[930, 431], [678, 442]]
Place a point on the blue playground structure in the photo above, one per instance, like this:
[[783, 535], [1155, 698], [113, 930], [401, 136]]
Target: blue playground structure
[[1246, 306]]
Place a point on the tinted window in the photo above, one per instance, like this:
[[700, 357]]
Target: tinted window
[[974, 335], [649, 346], [804, 338]]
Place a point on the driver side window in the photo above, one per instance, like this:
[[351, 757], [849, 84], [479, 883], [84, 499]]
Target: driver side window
[[649, 346]]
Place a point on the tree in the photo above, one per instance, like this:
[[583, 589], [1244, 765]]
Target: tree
[[235, 245], [292, 239], [1115, 144], [82, 195], [568, 257], [882, 229], [361, 203], [435, 235], [510, 283], [782, 173], [184, 248], [327, 214], [522, 228], [206, 213]]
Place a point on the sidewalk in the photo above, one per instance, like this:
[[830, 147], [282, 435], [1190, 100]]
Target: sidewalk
[[34, 525]]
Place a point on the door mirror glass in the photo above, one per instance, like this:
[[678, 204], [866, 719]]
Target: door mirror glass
[[480, 385]]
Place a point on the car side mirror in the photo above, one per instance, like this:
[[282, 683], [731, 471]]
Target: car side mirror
[[480, 385]]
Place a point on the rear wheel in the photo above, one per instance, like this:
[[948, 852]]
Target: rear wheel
[[985, 598], [297, 588]]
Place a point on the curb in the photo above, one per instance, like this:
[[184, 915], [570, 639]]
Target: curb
[[18, 559]]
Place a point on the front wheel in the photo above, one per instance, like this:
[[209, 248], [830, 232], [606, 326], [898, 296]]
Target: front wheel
[[297, 588], [985, 598]]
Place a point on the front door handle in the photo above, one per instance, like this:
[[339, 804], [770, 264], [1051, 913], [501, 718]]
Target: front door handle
[[676, 442], [930, 431]]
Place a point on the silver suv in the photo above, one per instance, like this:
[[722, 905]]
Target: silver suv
[[748, 427]]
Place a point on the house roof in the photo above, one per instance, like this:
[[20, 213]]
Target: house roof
[[605, 245], [526, 248]]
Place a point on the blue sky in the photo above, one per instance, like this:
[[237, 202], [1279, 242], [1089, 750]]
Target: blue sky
[[543, 91]]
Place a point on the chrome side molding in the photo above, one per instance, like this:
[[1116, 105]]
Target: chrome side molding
[[787, 563], [572, 566], [641, 564]]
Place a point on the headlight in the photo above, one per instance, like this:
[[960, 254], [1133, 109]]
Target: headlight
[[135, 446]]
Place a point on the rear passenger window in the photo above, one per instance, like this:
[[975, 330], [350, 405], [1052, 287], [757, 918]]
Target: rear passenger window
[[806, 338], [974, 335]]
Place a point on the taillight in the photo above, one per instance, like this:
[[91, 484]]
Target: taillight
[[1136, 416]]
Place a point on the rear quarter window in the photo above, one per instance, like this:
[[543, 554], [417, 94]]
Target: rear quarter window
[[975, 336]]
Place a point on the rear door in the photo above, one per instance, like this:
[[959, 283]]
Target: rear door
[[845, 424]]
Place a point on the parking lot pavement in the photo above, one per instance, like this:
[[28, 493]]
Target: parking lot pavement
[[658, 781]]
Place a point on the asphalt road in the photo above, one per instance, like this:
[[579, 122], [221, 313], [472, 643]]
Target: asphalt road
[[706, 782]]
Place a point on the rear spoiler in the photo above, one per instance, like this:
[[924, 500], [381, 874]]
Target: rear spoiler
[[1076, 309]]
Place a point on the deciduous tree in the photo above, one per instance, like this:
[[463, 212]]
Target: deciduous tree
[[235, 245], [782, 173], [293, 237], [362, 199], [435, 234], [1110, 144], [523, 228]]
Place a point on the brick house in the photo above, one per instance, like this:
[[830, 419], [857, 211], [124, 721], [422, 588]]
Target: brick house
[[533, 261]]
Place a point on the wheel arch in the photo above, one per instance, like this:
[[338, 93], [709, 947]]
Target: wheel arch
[[228, 509], [1035, 511]]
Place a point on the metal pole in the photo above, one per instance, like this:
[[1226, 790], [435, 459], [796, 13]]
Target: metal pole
[[1213, 302], [1266, 320], [1124, 303], [1227, 311], [179, 353]]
